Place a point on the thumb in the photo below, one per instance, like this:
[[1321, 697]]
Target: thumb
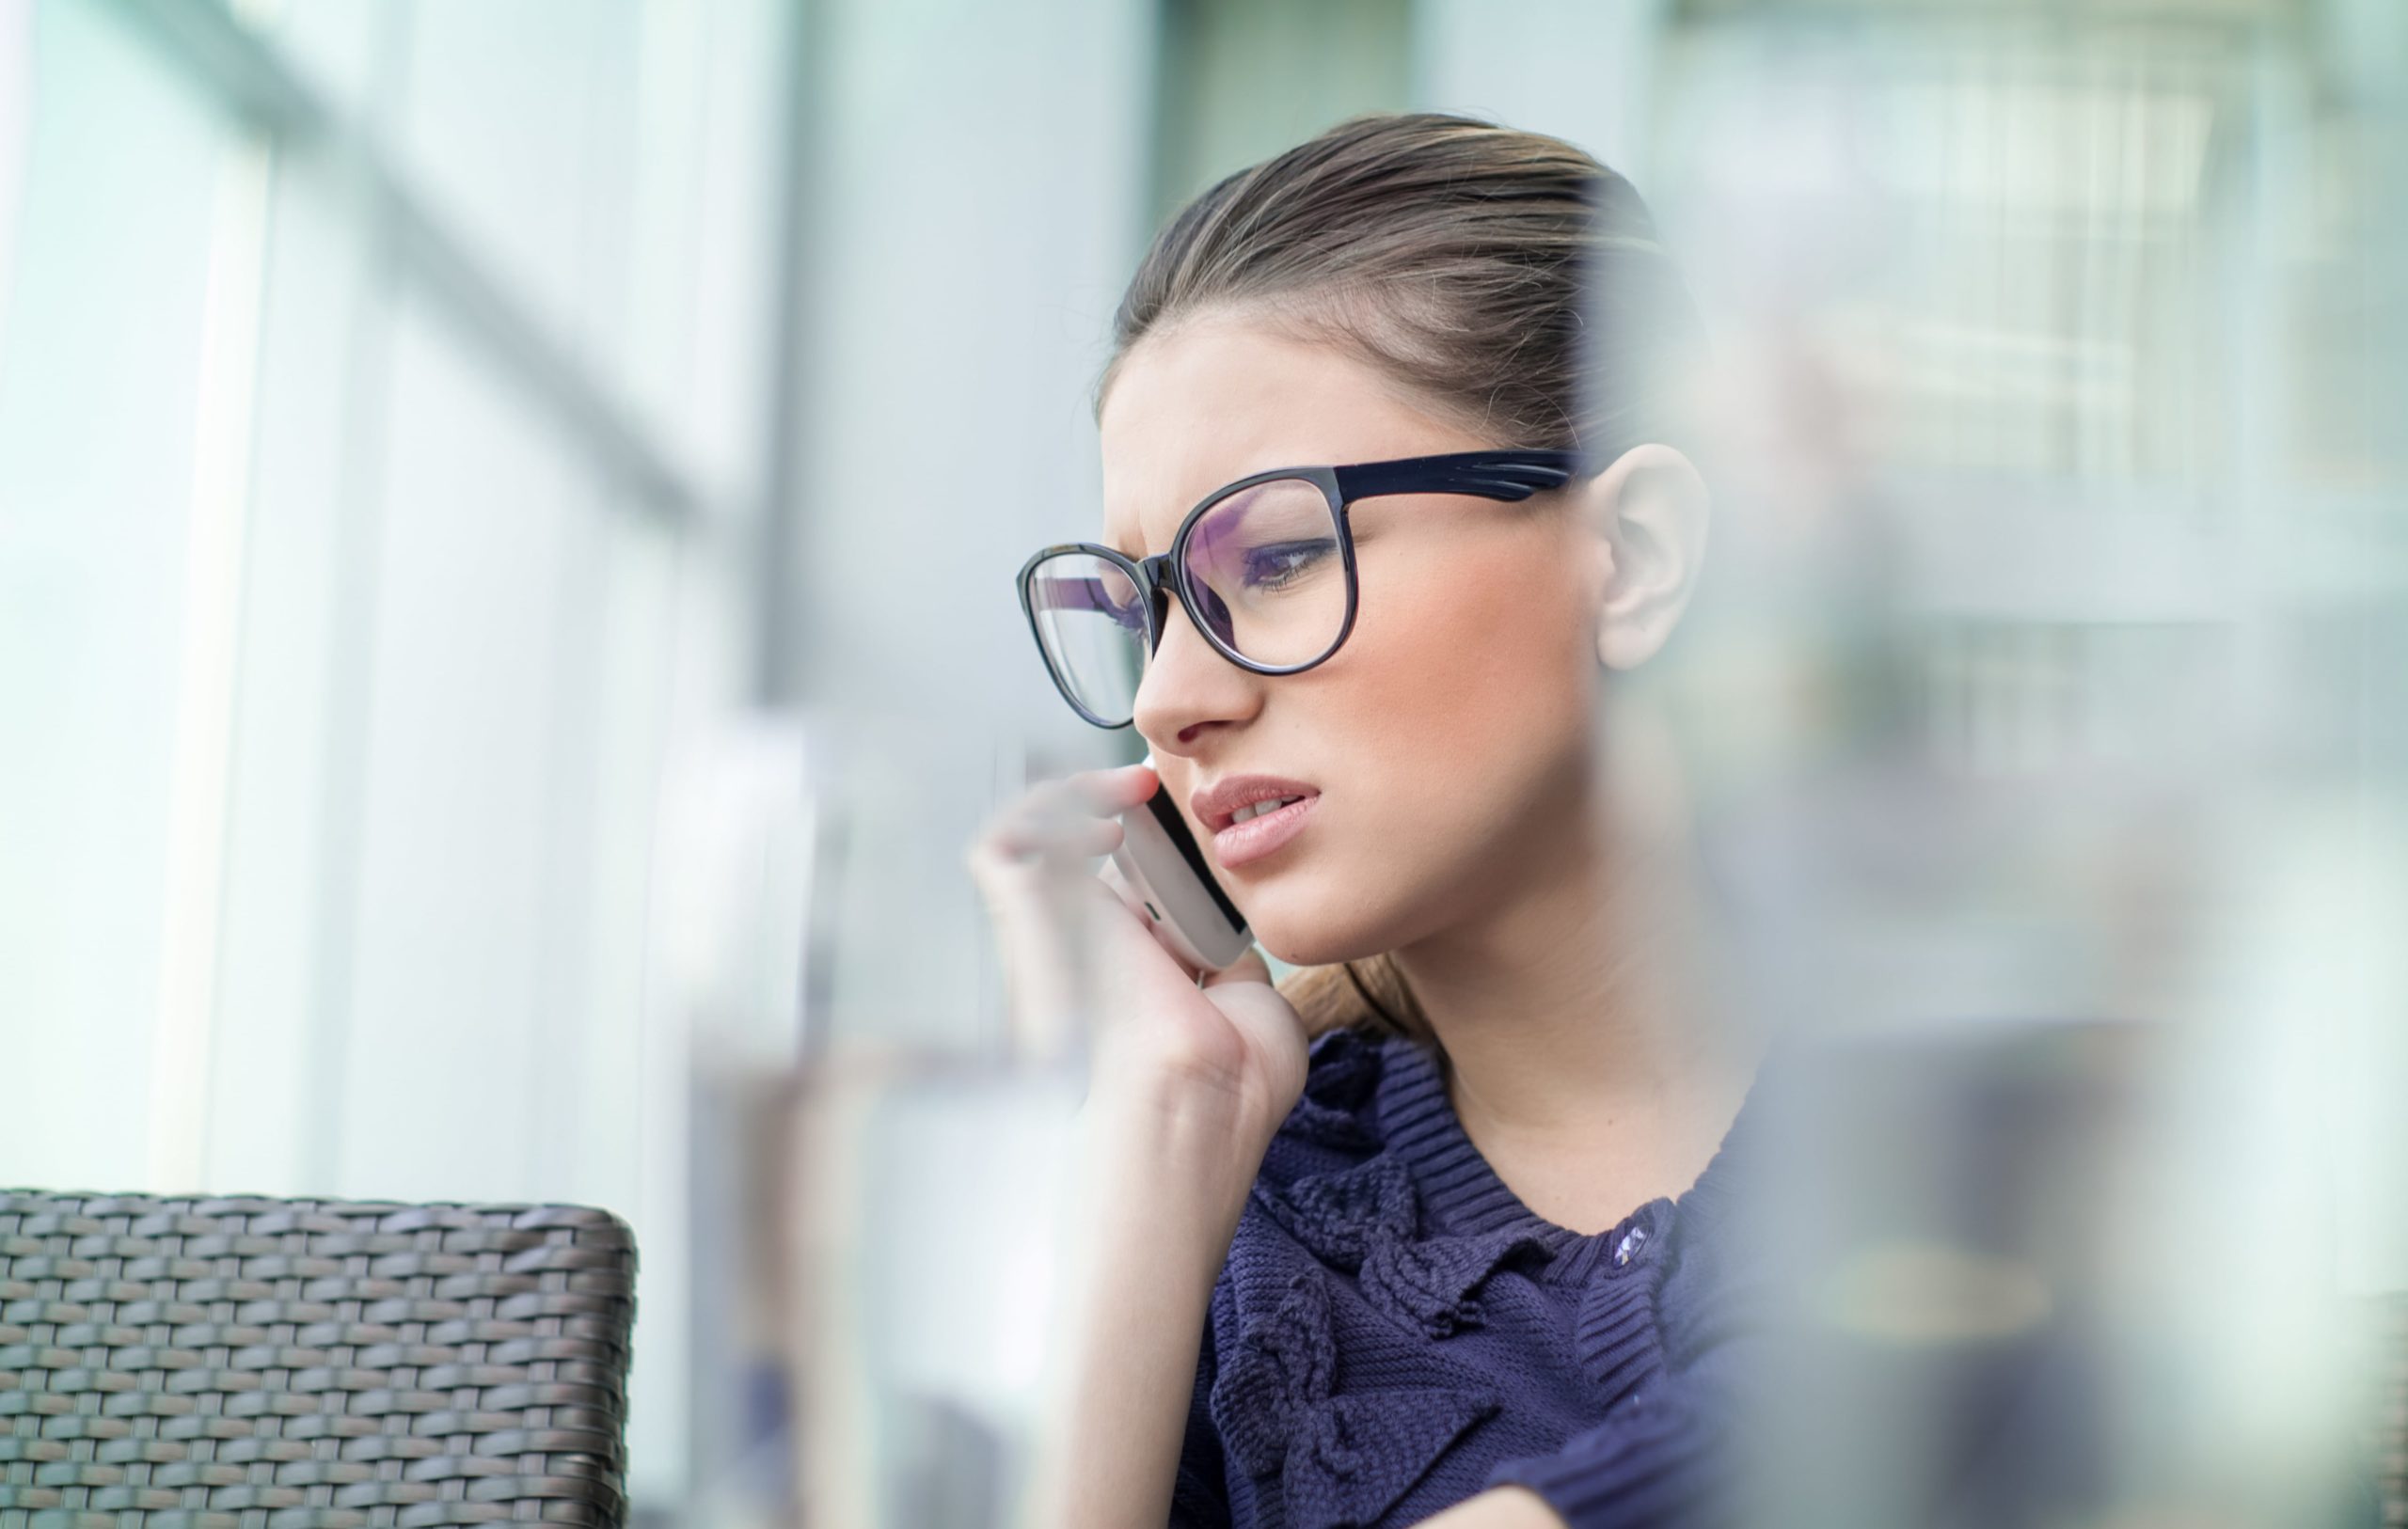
[[1247, 967]]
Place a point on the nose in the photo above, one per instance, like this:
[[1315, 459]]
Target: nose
[[1188, 689]]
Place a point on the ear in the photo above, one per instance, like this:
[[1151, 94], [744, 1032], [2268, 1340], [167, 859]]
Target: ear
[[1648, 513]]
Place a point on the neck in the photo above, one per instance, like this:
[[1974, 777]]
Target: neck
[[1575, 1012]]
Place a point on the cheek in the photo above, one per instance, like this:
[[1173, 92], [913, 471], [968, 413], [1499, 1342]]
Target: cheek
[[1457, 707], [1474, 663], [1444, 725]]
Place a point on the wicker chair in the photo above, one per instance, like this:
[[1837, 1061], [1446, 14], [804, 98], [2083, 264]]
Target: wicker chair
[[247, 1363], [2391, 1406]]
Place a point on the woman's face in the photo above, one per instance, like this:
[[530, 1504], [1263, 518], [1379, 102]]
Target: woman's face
[[1447, 740]]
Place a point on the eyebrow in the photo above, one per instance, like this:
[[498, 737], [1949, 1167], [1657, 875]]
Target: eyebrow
[[1240, 502]]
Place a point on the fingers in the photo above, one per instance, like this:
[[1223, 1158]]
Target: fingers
[[1109, 874], [1062, 933], [1073, 819], [1115, 789]]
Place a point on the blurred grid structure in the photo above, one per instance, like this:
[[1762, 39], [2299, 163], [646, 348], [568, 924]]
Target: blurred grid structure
[[2066, 471]]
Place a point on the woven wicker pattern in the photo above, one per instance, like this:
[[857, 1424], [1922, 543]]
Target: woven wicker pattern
[[2391, 1424], [286, 1363]]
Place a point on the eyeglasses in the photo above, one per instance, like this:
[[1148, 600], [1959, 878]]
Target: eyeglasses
[[1264, 567]]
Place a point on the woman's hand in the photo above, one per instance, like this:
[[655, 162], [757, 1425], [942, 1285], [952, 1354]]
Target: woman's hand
[[1499, 1507], [1186, 1087], [1081, 964]]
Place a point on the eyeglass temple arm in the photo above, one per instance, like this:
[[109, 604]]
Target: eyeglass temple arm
[[1492, 475]]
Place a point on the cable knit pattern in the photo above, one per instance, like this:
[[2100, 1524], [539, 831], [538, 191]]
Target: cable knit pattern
[[1341, 1084], [1365, 1221], [1340, 1460], [1394, 1330]]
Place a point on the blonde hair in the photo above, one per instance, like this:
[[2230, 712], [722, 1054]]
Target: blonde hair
[[1507, 278], [1368, 994]]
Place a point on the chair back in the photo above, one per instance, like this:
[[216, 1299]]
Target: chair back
[[259, 1363]]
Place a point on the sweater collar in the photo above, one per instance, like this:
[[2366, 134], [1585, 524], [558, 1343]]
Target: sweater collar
[[1461, 1194]]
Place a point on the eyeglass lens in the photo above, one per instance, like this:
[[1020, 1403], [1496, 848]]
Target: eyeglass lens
[[1091, 623], [1263, 566]]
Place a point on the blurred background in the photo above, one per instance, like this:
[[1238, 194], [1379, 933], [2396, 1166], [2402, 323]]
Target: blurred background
[[507, 517]]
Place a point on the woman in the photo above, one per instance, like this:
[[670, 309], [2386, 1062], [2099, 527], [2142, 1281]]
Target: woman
[[1419, 1230]]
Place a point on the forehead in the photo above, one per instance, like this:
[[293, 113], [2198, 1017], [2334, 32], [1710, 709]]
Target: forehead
[[1215, 399]]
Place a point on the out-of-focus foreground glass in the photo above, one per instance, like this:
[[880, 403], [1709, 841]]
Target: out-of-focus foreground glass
[[2045, 707]]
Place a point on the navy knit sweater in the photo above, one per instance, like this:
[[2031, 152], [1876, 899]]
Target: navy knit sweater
[[1395, 1330]]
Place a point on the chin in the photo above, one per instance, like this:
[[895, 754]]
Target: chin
[[1303, 923]]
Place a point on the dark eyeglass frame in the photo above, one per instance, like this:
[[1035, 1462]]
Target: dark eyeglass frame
[[1487, 475]]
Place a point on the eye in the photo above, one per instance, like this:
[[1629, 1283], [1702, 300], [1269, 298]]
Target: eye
[[1277, 565]]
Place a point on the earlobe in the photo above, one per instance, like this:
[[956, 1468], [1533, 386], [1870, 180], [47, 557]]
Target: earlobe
[[1650, 512]]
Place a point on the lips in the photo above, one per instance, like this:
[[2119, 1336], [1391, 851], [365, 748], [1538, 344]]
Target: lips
[[1216, 805], [1267, 823], [1256, 837]]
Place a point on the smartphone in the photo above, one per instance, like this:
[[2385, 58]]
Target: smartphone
[[1165, 868]]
